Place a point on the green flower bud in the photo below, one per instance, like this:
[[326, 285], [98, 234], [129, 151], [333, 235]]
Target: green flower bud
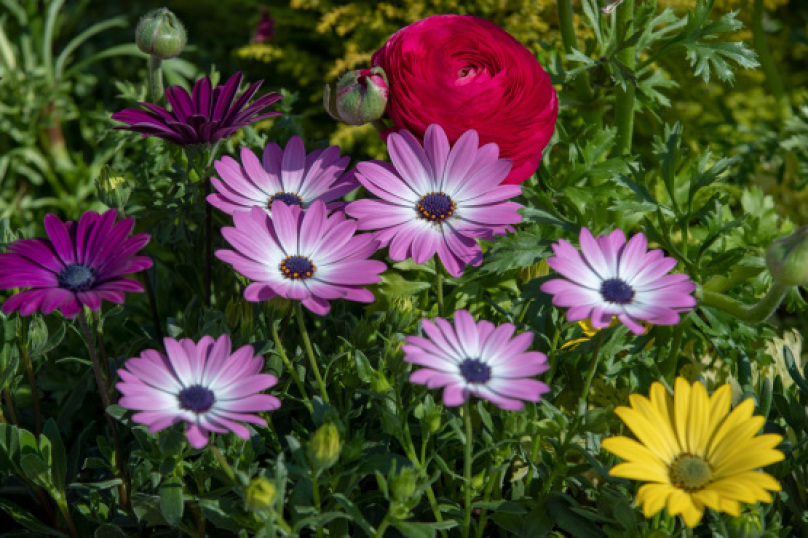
[[113, 188], [325, 446], [360, 96], [787, 259], [160, 34], [404, 484], [260, 494], [747, 525], [379, 383]]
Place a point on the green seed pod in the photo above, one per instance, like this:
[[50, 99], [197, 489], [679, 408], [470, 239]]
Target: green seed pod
[[787, 259], [160, 34]]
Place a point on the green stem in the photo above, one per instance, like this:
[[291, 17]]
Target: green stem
[[624, 100], [590, 375], [767, 62], [289, 366], [670, 362], [757, 313], [566, 21], [152, 304], [304, 334], [315, 492], [223, 462], [103, 391], [22, 333], [156, 79], [489, 486], [12, 414], [65, 510], [383, 526], [720, 283], [439, 287], [467, 469]]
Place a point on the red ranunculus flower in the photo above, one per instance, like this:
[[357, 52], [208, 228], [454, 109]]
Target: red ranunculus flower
[[463, 73]]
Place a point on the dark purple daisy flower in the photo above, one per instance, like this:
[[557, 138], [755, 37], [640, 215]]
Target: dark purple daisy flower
[[80, 264], [206, 116]]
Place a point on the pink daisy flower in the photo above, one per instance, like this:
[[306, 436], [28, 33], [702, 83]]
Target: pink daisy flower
[[80, 264], [613, 278], [305, 256], [287, 175], [477, 358], [203, 384], [205, 116], [437, 199]]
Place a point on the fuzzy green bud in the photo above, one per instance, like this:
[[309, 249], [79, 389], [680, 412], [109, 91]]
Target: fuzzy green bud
[[260, 494], [325, 446], [404, 484], [787, 259], [360, 96], [160, 34], [747, 525], [113, 188], [379, 383]]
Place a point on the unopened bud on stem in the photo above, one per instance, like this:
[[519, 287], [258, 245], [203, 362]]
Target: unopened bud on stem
[[160, 34], [360, 96], [787, 259]]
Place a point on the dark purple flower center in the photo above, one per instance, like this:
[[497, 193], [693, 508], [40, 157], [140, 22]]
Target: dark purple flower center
[[436, 207], [615, 290], [288, 198], [297, 267], [475, 371], [196, 398], [76, 277]]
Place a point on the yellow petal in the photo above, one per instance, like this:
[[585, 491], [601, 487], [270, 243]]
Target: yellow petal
[[719, 407], [746, 461], [681, 502], [708, 497], [736, 439], [653, 497], [739, 416], [630, 449], [697, 420], [650, 428], [681, 410], [640, 470]]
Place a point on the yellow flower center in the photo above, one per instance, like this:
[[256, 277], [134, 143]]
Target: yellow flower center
[[690, 472]]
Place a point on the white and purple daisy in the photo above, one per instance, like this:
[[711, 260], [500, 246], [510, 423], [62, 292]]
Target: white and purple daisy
[[437, 199], [80, 264], [306, 256], [287, 175], [477, 358], [203, 384], [613, 278]]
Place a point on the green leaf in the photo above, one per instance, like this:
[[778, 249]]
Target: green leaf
[[422, 530], [108, 530], [58, 455], [171, 501], [393, 284], [354, 512], [36, 470], [27, 520], [516, 251]]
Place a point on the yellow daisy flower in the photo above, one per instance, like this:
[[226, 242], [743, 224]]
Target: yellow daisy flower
[[692, 454]]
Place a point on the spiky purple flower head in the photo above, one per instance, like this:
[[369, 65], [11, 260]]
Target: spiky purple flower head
[[79, 264], [301, 255], [437, 199], [482, 359], [204, 384], [203, 117], [287, 175], [610, 277]]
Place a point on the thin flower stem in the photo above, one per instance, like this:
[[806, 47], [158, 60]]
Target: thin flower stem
[[156, 79], [103, 391], [65, 510], [669, 365], [12, 414], [761, 311], [153, 305], [489, 486], [467, 470], [304, 334], [315, 492], [566, 22], [624, 100], [22, 333], [289, 366], [439, 288], [382, 526], [764, 56], [593, 367], [223, 462], [208, 243]]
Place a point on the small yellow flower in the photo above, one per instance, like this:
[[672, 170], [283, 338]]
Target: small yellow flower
[[692, 454]]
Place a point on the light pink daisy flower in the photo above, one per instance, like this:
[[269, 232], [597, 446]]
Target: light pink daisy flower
[[437, 199], [287, 175], [304, 256], [614, 278], [477, 358], [203, 384]]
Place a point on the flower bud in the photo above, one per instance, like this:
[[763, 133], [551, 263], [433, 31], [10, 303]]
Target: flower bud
[[360, 96], [747, 525], [404, 484], [324, 446], [260, 494], [787, 259], [160, 34], [113, 188], [379, 383]]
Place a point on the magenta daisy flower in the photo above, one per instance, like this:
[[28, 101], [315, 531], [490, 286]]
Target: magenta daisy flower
[[306, 256], [613, 278], [203, 384], [477, 358], [437, 199], [287, 175], [205, 116], [80, 264]]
